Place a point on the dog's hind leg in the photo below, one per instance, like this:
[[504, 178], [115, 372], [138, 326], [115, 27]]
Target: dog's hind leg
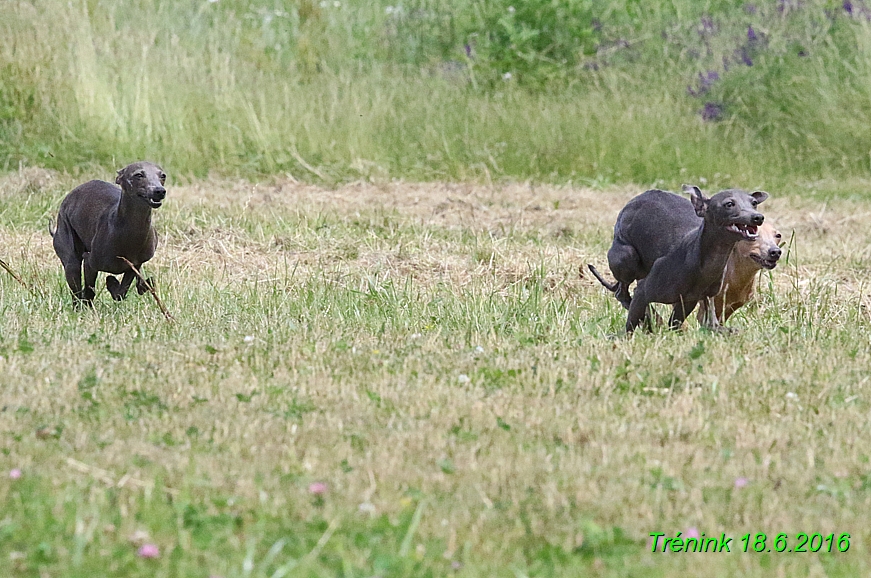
[[90, 280], [73, 274], [622, 294], [639, 310], [68, 248], [625, 265]]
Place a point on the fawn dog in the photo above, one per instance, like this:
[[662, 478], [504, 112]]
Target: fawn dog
[[739, 280]]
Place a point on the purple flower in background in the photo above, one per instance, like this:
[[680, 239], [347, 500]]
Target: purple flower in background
[[707, 24], [744, 56], [706, 81], [751, 35], [468, 50], [848, 7], [712, 112]]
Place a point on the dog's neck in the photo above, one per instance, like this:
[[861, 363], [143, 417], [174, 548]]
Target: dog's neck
[[133, 213], [715, 246]]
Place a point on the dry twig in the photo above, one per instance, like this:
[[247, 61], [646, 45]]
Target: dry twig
[[16, 277], [151, 290]]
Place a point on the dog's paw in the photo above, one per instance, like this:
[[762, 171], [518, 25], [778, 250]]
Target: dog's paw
[[143, 288], [114, 288]]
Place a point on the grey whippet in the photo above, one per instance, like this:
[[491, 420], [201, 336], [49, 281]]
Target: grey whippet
[[677, 250], [98, 222]]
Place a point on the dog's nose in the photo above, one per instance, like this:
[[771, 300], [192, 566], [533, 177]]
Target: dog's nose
[[757, 219], [159, 193], [775, 253]]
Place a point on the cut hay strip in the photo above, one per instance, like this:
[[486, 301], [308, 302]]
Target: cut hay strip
[[108, 479]]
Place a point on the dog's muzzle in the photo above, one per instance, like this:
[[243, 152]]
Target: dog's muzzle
[[155, 199], [749, 232], [769, 261]]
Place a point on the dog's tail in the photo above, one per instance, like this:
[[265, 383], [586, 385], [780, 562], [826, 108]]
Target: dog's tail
[[612, 287], [52, 227]]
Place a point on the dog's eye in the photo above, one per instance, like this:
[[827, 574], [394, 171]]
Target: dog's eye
[[139, 175], [754, 203], [162, 177], [729, 204]]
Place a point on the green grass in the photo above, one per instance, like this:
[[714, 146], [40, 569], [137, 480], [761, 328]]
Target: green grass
[[374, 90], [430, 353]]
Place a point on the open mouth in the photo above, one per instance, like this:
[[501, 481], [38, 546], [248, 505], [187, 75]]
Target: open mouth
[[746, 231], [764, 263], [153, 203]]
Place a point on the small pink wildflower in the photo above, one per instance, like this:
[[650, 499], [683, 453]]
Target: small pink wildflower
[[741, 482], [692, 532], [148, 551], [15, 474], [317, 488]]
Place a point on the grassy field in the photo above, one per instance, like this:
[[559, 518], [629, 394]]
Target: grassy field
[[401, 379], [611, 91], [387, 358]]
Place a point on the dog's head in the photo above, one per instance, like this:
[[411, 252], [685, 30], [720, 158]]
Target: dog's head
[[145, 180], [733, 210], [765, 249]]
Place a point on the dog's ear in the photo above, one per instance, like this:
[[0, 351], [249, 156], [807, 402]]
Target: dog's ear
[[700, 201], [118, 176], [759, 196]]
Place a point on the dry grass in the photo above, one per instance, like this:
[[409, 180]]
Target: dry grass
[[432, 348]]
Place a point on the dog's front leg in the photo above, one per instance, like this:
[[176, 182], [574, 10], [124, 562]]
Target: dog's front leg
[[119, 290], [710, 319], [679, 313]]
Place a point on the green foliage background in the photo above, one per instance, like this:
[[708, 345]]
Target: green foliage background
[[773, 92]]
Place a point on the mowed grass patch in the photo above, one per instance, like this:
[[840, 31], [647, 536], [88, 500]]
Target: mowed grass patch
[[436, 355]]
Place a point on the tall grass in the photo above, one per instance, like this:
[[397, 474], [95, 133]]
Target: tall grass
[[765, 93]]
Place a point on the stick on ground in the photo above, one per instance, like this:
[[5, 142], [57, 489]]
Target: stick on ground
[[16, 276], [150, 289]]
